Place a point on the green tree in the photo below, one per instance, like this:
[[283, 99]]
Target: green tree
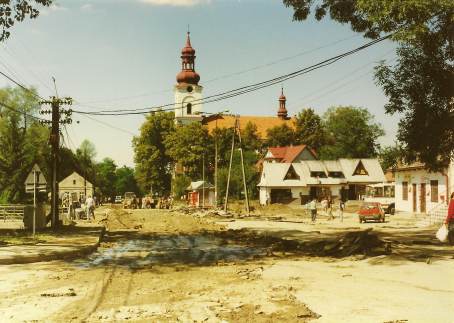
[[250, 137], [309, 129], [153, 164], [189, 145], [85, 155], [106, 177], [180, 184], [223, 136], [351, 133], [420, 88], [279, 136], [23, 142], [390, 156], [420, 85], [12, 11], [411, 18], [125, 181], [68, 163], [236, 177]]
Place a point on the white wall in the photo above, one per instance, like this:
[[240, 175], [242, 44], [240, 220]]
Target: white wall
[[182, 97], [417, 177]]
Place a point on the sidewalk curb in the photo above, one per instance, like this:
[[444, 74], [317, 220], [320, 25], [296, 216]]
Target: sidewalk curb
[[62, 255]]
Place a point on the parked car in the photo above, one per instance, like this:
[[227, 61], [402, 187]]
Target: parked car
[[118, 199], [371, 211]]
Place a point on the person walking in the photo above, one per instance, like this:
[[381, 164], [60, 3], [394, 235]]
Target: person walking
[[313, 208], [341, 210], [90, 207], [450, 220], [329, 207]]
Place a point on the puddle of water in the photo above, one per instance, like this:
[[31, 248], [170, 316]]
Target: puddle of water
[[191, 250]]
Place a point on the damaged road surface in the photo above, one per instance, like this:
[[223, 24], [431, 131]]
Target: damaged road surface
[[159, 266]]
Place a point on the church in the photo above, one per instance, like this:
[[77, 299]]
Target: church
[[189, 101]]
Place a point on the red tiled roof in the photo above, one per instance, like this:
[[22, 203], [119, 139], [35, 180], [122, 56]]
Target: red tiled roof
[[289, 153]]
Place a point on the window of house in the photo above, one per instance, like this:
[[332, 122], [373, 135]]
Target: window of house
[[336, 174], [360, 169], [291, 174], [318, 174], [434, 191], [189, 108], [74, 182], [405, 191]]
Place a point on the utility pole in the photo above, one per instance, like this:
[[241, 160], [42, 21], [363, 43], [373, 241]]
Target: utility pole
[[203, 181], [236, 130], [216, 166], [54, 140], [242, 169], [230, 167]]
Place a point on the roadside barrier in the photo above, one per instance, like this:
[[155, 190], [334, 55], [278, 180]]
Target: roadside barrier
[[13, 212]]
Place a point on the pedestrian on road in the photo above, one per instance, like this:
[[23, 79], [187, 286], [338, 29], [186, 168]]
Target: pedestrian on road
[[329, 207], [341, 210], [324, 204], [450, 220], [90, 207], [313, 208]]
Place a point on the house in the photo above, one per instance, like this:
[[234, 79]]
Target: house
[[201, 194], [420, 191], [75, 186], [307, 179]]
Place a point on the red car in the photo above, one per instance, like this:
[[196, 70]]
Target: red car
[[371, 211]]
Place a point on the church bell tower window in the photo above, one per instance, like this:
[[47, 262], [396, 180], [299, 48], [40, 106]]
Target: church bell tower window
[[189, 108]]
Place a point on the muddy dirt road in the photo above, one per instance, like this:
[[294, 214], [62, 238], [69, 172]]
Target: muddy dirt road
[[158, 266]]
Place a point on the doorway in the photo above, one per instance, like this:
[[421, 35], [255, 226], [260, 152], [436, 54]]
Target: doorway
[[414, 197], [422, 198]]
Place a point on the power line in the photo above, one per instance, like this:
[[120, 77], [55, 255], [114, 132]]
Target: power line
[[21, 112], [324, 90], [225, 76], [244, 89], [21, 86], [109, 125], [29, 54]]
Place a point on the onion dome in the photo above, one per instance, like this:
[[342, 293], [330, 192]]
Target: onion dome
[[188, 74], [282, 112]]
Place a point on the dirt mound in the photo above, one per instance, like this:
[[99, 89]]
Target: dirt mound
[[352, 243]]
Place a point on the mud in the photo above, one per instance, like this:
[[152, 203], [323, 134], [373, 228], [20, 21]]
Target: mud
[[171, 250]]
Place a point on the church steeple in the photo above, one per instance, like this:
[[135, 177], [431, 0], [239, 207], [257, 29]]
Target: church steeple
[[282, 112], [188, 92], [188, 75]]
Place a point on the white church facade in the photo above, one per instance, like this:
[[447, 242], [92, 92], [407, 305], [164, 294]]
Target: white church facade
[[187, 91]]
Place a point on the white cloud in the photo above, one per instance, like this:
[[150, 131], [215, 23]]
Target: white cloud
[[87, 7], [52, 8], [176, 3]]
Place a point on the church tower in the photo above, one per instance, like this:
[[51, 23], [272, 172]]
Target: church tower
[[282, 112], [188, 92]]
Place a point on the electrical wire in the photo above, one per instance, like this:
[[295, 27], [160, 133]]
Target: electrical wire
[[21, 112], [225, 76], [241, 90], [109, 125], [22, 86], [30, 55]]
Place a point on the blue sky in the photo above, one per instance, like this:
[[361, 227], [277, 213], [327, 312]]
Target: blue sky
[[125, 54]]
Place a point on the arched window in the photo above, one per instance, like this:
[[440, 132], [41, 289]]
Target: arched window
[[189, 108]]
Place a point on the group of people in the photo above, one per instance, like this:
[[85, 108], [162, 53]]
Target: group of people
[[327, 207]]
